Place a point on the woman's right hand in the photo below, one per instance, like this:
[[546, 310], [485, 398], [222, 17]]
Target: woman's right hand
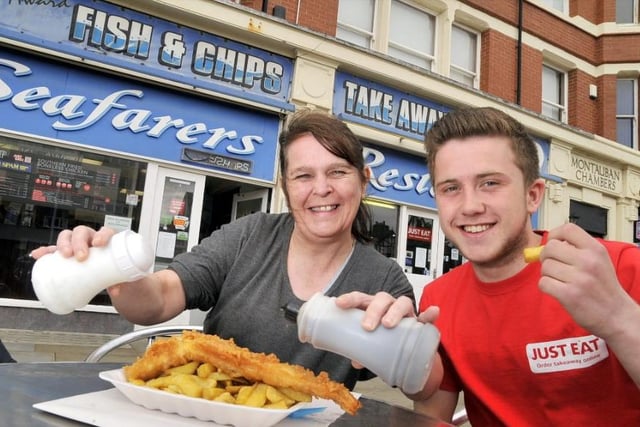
[[76, 242]]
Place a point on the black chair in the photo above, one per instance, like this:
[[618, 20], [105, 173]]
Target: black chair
[[5, 356], [150, 334]]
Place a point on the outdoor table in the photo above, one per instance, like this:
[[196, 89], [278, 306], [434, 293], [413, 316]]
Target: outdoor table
[[23, 384]]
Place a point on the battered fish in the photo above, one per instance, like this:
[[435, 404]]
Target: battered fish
[[234, 360]]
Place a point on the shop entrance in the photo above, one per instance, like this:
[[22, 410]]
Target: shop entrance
[[187, 207], [184, 207], [170, 215], [421, 248]]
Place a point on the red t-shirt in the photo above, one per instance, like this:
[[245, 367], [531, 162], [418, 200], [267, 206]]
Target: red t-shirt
[[519, 357]]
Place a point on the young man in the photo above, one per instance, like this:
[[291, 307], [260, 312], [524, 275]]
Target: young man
[[551, 342]]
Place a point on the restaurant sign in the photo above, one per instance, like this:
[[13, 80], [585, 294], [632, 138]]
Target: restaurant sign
[[421, 234], [596, 175], [79, 106], [120, 37], [369, 103]]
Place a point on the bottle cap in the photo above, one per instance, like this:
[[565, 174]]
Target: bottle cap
[[132, 254]]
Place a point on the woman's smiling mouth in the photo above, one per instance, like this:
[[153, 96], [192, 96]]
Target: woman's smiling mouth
[[325, 208]]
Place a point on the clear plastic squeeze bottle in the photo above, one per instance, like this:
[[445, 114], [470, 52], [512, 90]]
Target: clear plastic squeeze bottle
[[400, 356], [65, 284]]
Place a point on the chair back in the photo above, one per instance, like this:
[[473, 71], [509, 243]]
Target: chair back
[[150, 334]]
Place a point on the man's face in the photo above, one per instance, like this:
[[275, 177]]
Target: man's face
[[483, 205]]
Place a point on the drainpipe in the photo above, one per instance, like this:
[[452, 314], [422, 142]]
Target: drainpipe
[[519, 53]]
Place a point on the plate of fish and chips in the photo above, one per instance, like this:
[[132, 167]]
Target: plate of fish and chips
[[206, 410], [212, 379]]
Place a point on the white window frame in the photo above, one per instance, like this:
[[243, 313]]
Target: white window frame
[[474, 74], [370, 35], [380, 37], [562, 105], [430, 59], [635, 18], [564, 8], [633, 117]]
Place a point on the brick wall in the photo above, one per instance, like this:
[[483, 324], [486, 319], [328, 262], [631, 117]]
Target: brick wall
[[498, 65], [583, 111], [590, 10], [320, 16], [499, 52], [531, 79]]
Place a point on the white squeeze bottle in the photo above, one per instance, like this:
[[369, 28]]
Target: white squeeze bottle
[[65, 284], [400, 356]]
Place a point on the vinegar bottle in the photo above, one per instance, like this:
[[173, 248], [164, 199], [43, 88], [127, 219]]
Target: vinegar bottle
[[400, 356], [65, 284]]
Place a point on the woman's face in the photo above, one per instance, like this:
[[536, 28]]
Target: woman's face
[[324, 191]]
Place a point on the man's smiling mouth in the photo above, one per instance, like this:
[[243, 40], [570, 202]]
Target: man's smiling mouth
[[476, 228]]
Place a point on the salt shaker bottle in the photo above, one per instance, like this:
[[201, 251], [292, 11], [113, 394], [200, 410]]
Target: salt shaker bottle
[[64, 284], [400, 356]]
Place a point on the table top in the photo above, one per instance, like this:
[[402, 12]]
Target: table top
[[23, 384]]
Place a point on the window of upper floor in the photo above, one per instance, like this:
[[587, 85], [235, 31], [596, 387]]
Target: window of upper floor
[[411, 31], [627, 112], [559, 5], [465, 60], [627, 11], [554, 93], [411, 34], [356, 22]]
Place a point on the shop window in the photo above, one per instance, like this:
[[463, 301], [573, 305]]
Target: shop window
[[627, 11], [355, 22], [45, 189], [554, 93], [636, 229], [384, 227], [464, 56], [591, 218], [627, 112], [452, 257], [411, 35]]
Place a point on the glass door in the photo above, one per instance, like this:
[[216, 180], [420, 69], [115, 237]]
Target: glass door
[[248, 203], [421, 248], [170, 219]]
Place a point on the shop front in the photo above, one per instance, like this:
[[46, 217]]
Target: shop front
[[406, 224], [598, 194], [134, 148]]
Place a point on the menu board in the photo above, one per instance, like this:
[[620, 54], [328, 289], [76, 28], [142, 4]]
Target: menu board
[[58, 181], [15, 172]]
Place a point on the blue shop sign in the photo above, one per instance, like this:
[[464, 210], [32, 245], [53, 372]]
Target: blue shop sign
[[398, 177], [403, 178], [365, 102], [63, 102], [124, 38]]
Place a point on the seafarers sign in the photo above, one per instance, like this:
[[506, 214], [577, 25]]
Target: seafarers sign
[[124, 38], [58, 101], [368, 103], [596, 175]]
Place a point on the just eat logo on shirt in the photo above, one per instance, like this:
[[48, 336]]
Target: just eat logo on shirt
[[566, 354]]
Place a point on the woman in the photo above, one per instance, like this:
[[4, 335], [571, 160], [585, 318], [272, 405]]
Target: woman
[[244, 273]]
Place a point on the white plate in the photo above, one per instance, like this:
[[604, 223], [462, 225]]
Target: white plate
[[202, 409]]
